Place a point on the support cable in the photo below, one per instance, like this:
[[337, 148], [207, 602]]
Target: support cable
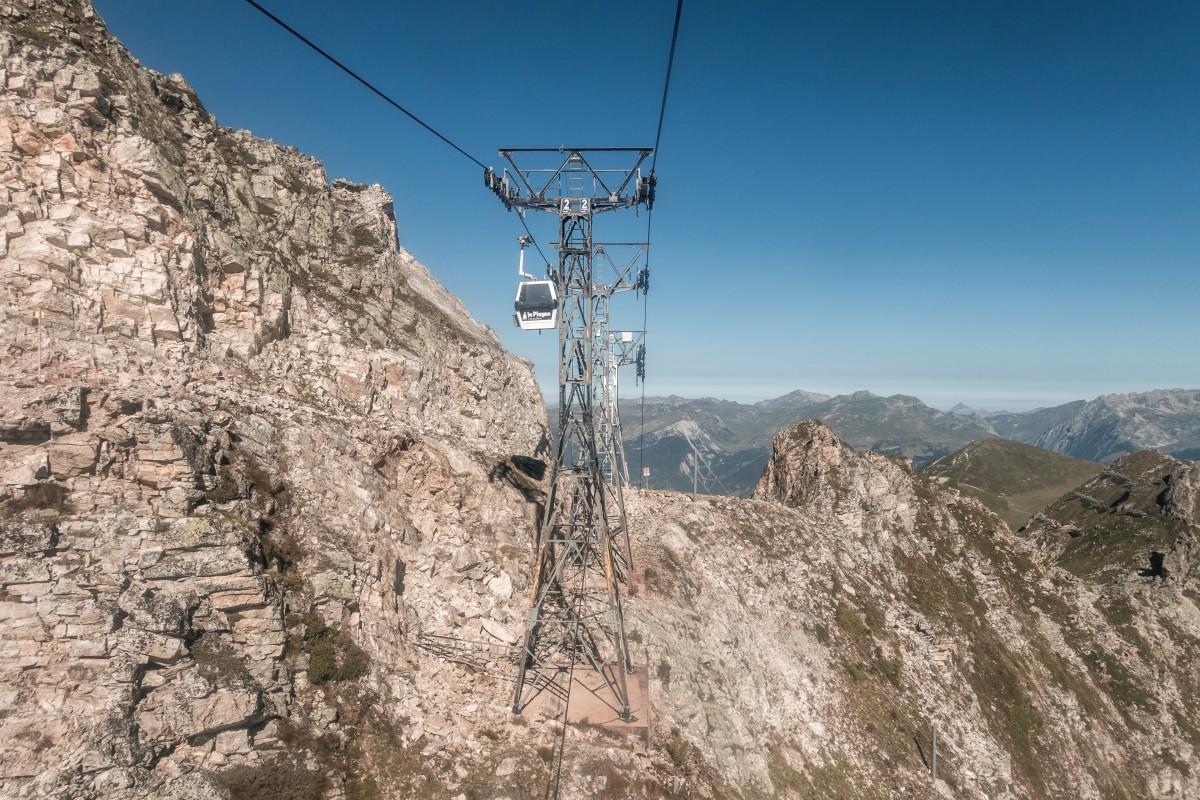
[[388, 100], [364, 81], [555, 779], [662, 113], [642, 427]]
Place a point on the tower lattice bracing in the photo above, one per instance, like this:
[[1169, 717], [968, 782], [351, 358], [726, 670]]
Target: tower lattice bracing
[[583, 558]]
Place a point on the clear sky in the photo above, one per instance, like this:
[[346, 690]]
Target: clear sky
[[995, 203]]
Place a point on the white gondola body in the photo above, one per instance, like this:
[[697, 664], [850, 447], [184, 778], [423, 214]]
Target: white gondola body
[[536, 304]]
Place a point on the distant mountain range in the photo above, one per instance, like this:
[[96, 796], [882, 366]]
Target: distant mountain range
[[732, 440], [964, 410], [1114, 425]]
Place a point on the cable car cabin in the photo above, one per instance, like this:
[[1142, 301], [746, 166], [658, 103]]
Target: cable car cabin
[[536, 305]]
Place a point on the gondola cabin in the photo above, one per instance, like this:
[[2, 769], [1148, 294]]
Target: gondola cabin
[[536, 305]]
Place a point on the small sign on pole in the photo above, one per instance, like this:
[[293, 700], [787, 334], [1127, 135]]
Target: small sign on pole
[[39, 315], [933, 758], [646, 477]]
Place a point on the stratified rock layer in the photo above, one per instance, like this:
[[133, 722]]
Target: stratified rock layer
[[243, 435]]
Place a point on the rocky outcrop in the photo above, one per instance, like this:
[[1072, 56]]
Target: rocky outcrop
[[1182, 501], [804, 643], [811, 467]]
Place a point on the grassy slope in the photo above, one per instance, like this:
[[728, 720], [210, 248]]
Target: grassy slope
[[1113, 523], [1013, 479]]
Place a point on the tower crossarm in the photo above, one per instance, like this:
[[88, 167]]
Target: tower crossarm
[[586, 180], [619, 265]]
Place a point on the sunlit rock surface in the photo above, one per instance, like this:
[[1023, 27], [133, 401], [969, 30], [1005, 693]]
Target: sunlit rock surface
[[250, 451]]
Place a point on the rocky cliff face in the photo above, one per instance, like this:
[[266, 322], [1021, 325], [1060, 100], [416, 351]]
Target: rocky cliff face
[[249, 446], [1181, 562], [251, 455]]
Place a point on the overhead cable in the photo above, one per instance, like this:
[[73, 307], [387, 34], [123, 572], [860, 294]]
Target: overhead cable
[[363, 81], [662, 113]]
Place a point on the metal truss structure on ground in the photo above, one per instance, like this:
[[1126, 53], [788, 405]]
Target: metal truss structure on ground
[[583, 557]]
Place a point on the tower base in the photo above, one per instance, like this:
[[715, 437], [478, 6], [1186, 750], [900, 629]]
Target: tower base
[[592, 704]]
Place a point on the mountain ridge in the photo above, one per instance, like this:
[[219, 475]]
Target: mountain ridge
[[732, 438], [1117, 424]]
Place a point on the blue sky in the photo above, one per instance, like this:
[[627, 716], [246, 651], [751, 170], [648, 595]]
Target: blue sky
[[993, 203]]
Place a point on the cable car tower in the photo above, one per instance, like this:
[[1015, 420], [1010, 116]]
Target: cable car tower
[[624, 348], [583, 556]]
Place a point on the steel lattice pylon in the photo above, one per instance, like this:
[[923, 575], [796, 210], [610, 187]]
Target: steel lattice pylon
[[583, 556], [624, 348]]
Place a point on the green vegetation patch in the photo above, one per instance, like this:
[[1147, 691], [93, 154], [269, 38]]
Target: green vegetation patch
[[332, 655], [831, 781], [928, 590], [998, 680], [373, 763], [663, 671], [1068, 678], [848, 620], [218, 661], [1126, 691], [283, 777], [684, 755], [889, 668], [1171, 761], [362, 237], [228, 487], [1013, 479], [1106, 544], [1114, 523]]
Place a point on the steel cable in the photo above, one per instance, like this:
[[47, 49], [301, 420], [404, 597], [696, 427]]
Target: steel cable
[[662, 113], [362, 80]]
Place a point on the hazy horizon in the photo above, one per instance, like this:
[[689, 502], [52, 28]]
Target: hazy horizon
[[1016, 402]]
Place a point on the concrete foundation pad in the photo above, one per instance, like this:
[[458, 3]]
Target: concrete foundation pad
[[593, 703]]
